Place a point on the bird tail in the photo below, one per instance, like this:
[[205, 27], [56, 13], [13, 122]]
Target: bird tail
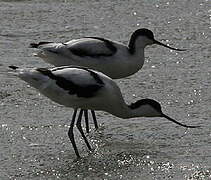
[[13, 67], [33, 45], [23, 73], [36, 45], [15, 70]]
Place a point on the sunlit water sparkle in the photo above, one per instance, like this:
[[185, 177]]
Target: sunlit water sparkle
[[33, 130]]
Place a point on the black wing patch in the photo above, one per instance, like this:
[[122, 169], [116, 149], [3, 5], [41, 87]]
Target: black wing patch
[[85, 91], [83, 51]]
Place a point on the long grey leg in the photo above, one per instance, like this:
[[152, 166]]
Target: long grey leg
[[94, 119], [86, 120], [78, 124], [71, 135]]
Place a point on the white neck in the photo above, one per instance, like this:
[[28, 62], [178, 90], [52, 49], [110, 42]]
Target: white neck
[[138, 45]]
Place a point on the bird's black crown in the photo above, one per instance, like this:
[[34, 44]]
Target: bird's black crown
[[142, 102], [143, 32], [139, 32]]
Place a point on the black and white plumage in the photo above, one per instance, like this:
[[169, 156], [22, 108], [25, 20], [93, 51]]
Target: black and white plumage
[[114, 59], [82, 88]]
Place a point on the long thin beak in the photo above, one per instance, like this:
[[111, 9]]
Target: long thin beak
[[170, 119], [161, 44]]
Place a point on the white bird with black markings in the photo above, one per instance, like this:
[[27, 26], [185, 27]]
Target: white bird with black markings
[[82, 88], [114, 59]]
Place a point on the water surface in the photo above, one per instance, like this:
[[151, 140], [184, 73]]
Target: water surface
[[33, 130]]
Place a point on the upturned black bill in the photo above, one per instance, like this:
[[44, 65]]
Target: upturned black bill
[[161, 44], [184, 125]]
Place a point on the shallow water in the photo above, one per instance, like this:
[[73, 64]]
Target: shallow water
[[33, 130]]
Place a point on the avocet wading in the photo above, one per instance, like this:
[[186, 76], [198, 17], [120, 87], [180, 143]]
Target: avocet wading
[[114, 59], [83, 88]]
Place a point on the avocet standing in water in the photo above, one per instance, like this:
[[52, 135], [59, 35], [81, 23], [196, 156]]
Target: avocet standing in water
[[114, 59], [82, 88]]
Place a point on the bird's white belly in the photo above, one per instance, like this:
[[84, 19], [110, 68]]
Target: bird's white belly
[[113, 66]]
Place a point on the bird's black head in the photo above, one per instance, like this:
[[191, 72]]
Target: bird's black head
[[154, 104], [140, 38], [146, 37], [143, 32], [152, 108]]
